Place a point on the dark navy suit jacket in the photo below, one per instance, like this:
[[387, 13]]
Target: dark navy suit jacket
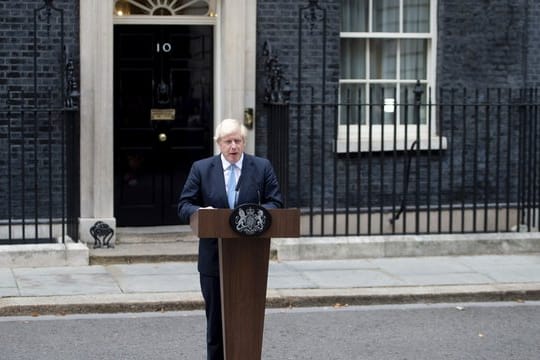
[[205, 186]]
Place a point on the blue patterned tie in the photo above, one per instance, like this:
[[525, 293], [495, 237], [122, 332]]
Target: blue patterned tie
[[231, 186]]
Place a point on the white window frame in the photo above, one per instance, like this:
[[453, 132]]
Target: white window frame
[[385, 137]]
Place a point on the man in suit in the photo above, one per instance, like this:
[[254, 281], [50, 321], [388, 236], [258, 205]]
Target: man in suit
[[252, 180]]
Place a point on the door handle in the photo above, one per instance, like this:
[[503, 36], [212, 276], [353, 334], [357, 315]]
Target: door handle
[[162, 137]]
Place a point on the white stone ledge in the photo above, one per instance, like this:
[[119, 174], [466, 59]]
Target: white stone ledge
[[44, 255], [377, 246]]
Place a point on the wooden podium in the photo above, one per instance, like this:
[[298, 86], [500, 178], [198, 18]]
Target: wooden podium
[[244, 275]]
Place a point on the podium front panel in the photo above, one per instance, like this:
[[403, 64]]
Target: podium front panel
[[214, 223]]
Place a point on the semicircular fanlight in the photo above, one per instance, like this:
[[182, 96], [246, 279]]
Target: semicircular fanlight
[[163, 7]]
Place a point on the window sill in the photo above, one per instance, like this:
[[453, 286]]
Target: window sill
[[376, 145]]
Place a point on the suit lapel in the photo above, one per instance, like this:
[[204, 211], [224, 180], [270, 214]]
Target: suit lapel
[[246, 178], [219, 183]]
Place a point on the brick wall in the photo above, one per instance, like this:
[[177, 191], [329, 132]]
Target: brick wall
[[485, 43], [17, 50], [532, 73], [295, 37], [31, 141]]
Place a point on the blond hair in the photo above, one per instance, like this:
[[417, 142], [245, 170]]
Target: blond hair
[[230, 126]]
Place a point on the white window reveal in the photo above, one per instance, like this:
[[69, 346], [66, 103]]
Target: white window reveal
[[388, 50], [165, 7]]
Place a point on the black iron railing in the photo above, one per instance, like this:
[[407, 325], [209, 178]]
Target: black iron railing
[[39, 189], [396, 158], [39, 134], [360, 168]]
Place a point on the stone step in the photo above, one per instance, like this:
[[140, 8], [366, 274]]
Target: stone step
[[148, 244], [144, 253], [154, 234]]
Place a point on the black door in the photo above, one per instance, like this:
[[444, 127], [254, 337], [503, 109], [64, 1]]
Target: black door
[[163, 111]]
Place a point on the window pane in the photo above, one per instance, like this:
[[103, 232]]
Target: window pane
[[383, 104], [386, 16], [351, 109], [413, 59], [353, 58], [354, 15], [410, 113], [383, 59], [416, 15]]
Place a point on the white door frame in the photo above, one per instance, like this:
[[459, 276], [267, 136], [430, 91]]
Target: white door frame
[[234, 90]]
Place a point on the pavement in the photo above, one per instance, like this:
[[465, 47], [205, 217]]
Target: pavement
[[174, 285]]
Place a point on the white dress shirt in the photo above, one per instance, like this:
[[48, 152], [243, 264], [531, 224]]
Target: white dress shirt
[[227, 169]]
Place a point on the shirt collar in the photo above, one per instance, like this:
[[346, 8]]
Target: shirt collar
[[226, 164]]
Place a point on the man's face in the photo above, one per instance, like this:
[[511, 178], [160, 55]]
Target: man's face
[[232, 146]]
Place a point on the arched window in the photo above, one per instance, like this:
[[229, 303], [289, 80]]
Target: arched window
[[164, 7]]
